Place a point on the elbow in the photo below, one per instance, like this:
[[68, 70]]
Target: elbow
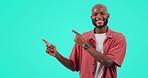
[[72, 69], [71, 66]]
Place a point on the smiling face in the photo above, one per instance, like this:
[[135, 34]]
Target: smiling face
[[99, 16]]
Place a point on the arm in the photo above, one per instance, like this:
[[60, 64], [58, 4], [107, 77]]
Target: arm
[[66, 62], [51, 50], [115, 54], [102, 58]]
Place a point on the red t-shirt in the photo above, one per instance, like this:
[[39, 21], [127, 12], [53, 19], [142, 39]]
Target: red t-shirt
[[114, 46]]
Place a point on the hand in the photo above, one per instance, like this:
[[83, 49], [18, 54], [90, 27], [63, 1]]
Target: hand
[[50, 49], [79, 39]]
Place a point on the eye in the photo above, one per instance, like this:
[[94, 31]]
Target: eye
[[94, 14], [102, 13]]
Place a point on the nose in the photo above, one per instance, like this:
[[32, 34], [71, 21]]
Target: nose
[[98, 16]]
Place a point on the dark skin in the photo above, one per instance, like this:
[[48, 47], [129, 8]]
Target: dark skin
[[99, 12], [51, 50], [99, 16]]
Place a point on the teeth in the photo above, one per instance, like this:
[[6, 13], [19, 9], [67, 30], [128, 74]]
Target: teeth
[[99, 20]]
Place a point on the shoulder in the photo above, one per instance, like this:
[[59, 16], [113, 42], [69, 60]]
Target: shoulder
[[88, 34], [118, 35]]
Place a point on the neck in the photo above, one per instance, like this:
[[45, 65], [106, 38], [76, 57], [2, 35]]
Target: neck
[[101, 30]]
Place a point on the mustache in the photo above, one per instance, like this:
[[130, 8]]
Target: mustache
[[105, 23]]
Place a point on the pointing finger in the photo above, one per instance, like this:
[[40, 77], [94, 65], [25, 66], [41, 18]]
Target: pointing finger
[[76, 32], [45, 41], [48, 44]]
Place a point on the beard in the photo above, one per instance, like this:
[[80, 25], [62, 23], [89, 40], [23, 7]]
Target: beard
[[105, 23]]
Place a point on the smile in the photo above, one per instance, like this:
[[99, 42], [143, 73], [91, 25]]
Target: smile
[[99, 21]]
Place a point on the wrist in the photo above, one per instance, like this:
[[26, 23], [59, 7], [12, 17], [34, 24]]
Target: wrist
[[56, 54], [86, 46]]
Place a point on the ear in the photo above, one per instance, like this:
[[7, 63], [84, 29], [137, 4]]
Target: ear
[[108, 15], [91, 17]]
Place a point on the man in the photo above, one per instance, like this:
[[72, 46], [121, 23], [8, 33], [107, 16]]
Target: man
[[98, 52]]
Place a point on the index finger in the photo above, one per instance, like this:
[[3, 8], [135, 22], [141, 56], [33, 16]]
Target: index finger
[[76, 32], [45, 41]]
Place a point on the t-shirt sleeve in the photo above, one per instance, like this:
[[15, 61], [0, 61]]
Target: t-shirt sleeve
[[117, 50], [74, 57]]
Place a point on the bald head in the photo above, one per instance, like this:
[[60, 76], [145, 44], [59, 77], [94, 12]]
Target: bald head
[[99, 6]]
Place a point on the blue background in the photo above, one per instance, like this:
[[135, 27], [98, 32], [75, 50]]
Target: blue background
[[23, 23]]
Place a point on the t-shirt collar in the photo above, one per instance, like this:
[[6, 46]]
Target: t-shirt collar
[[108, 34]]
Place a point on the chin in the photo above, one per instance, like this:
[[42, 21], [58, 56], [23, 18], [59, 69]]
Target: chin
[[99, 25]]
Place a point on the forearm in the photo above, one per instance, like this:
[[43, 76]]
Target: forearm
[[102, 58], [66, 62]]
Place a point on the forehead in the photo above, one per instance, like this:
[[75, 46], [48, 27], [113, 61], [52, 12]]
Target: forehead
[[99, 8]]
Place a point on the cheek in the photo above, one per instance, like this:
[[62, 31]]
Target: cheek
[[106, 17], [93, 17]]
